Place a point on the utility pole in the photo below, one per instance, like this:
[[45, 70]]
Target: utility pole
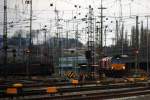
[[122, 39], [116, 38], [30, 39], [30, 24], [67, 41], [45, 49], [55, 50], [45, 36], [5, 45], [117, 35], [101, 31], [77, 36], [137, 33], [105, 51], [136, 45], [90, 53], [147, 45], [120, 13], [76, 43], [121, 28], [58, 45], [91, 35], [101, 35]]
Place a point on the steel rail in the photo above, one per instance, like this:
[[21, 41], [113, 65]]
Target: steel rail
[[98, 95], [37, 91]]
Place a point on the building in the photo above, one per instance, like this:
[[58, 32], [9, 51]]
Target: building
[[70, 64]]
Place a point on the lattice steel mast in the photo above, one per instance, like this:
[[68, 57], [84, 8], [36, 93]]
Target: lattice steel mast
[[5, 45]]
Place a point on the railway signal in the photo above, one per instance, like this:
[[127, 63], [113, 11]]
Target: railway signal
[[136, 52]]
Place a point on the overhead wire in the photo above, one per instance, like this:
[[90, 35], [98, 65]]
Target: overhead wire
[[110, 4]]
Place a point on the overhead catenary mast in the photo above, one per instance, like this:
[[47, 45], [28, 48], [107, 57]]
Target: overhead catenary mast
[[91, 35], [31, 11], [5, 32], [101, 30], [30, 39], [57, 42], [122, 39], [116, 35], [147, 51], [121, 28], [136, 45]]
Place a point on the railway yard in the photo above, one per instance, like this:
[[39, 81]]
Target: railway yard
[[74, 50], [92, 90]]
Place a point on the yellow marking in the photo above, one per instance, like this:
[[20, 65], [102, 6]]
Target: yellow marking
[[11, 91], [17, 85], [51, 90], [71, 75], [75, 81]]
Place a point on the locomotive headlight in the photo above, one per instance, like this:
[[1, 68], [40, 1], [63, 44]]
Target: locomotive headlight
[[123, 68]]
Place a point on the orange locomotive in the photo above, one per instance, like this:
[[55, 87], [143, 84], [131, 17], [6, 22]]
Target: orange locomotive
[[112, 63], [112, 66]]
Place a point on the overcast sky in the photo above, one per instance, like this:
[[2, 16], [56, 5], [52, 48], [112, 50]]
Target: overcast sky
[[44, 14]]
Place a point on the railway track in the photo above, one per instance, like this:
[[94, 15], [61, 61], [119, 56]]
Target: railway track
[[98, 95], [79, 92]]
